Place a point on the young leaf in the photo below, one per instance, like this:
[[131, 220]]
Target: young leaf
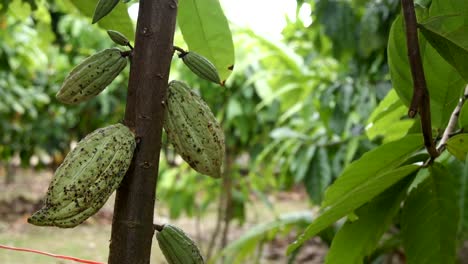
[[371, 165], [430, 219], [118, 19], [351, 200], [443, 81], [458, 146], [206, 31], [451, 43], [356, 240], [386, 120]]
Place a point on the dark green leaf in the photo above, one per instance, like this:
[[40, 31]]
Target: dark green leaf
[[451, 43], [352, 200], [357, 239], [458, 146], [318, 176], [430, 219], [206, 31]]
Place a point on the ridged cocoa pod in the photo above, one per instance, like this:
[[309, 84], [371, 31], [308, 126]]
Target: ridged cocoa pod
[[178, 247], [91, 76], [87, 177], [193, 130], [103, 8], [201, 66], [118, 37]]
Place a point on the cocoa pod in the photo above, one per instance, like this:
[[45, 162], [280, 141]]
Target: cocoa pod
[[87, 177], [118, 37], [201, 66], [178, 247], [103, 8], [91, 76], [193, 130]]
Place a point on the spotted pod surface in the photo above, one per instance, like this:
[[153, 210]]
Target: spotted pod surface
[[193, 130], [91, 76], [201, 66], [178, 247], [87, 177]]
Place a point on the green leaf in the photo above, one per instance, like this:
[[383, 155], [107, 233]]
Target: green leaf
[[384, 158], [206, 31], [356, 240], [430, 219], [463, 119], [388, 119], [458, 146], [351, 200], [118, 19], [451, 43], [443, 81], [319, 175]]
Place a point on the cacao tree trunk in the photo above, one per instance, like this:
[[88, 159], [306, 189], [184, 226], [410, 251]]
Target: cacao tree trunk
[[132, 224]]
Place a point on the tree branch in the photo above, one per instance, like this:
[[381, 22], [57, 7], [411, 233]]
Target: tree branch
[[421, 100], [132, 225], [452, 122]]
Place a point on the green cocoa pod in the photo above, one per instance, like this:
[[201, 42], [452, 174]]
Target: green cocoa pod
[[201, 66], [118, 37], [91, 76], [103, 8], [87, 177], [193, 130], [177, 247]]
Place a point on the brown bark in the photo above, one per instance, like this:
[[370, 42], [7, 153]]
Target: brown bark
[[132, 225]]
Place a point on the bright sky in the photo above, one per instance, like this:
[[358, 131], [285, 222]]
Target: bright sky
[[266, 17]]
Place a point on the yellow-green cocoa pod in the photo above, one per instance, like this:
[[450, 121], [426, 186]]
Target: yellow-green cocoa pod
[[87, 177], [118, 37], [178, 247], [91, 76], [201, 66], [193, 130], [103, 8]]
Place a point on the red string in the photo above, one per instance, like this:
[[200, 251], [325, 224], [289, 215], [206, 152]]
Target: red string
[[51, 255]]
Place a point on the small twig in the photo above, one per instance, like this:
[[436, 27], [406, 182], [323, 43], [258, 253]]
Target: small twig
[[421, 100], [452, 122], [182, 51]]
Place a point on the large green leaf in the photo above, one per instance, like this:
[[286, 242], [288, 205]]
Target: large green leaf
[[430, 219], [206, 30], [443, 81], [451, 43], [371, 165], [458, 146], [118, 19], [357, 239], [352, 200], [388, 119], [319, 175]]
